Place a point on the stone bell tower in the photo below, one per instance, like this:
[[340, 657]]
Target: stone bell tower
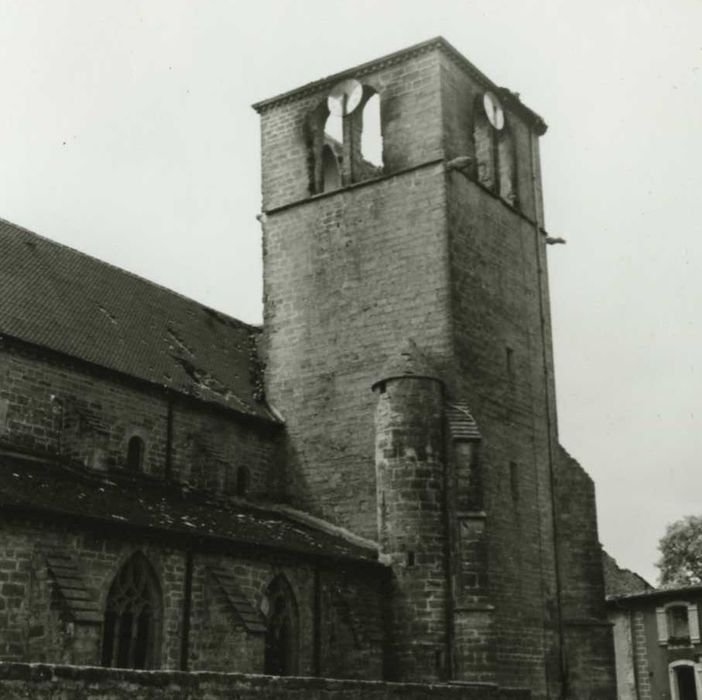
[[451, 463]]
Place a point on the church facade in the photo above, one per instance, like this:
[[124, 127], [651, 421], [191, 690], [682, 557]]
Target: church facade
[[370, 485]]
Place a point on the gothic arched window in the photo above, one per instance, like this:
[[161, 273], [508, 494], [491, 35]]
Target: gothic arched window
[[132, 617], [282, 639], [135, 454]]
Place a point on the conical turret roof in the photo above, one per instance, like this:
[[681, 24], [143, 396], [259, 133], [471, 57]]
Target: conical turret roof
[[407, 361]]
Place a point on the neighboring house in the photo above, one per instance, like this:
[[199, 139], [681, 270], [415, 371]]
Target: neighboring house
[[371, 485], [657, 639]]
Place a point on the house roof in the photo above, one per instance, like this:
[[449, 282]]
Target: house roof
[[58, 298], [31, 485], [656, 594]]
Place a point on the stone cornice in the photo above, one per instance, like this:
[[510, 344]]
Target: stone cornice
[[510, 100]]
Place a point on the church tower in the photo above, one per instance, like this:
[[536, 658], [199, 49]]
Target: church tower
[[407, 344]]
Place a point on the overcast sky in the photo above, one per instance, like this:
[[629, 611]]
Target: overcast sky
[[126, 132]]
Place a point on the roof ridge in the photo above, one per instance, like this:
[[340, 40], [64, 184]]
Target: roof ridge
[[134, 275]]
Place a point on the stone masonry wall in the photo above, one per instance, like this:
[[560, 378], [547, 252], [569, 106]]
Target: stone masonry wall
[[35, 627], [409, 106], [497, 266], [433, 255], [43, 682], [589, 644], [347, 277], [410, 466], [499, 374], [66, 409]]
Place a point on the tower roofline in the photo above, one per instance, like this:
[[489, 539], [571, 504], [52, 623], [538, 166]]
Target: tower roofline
[[408, 361], [508, 97]]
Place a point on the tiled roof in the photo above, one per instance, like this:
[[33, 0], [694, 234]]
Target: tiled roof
[[147, 503], [70, 588], [58, 298], [407, 361], [249, 616]]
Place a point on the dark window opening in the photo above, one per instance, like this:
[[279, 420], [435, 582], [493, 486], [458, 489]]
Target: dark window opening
[[132, 616], [331, 168], [135, 454], [344, 137], [410, 558], [243, 481], [685, 679], [509, 361], [494, 153], [514, 480], [281, 650], [678, 623]]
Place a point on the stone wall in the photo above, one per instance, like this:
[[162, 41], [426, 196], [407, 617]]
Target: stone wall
[[498, 372], [65, 408], [43, 682], [432, 254], [347, 277], [339, 606]]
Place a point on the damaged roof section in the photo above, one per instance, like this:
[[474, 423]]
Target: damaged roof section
[[32, 485], [249, 616], [71, 589], [59, 298]]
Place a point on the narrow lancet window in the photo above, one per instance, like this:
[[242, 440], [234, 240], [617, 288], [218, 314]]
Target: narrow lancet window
[[135, 454], [282, 638]]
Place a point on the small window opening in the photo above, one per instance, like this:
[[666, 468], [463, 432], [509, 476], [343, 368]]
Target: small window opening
[[243, 481], [509, 362], [439, 659], [382, 388], [372, 137], [514, 480], [678, 623], [410, 558], [135, 454]]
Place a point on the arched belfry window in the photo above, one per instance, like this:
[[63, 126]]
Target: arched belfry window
[[494, 148], [135, 454], [282, 632], [344, 137], [485, 144], [132, 617]]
